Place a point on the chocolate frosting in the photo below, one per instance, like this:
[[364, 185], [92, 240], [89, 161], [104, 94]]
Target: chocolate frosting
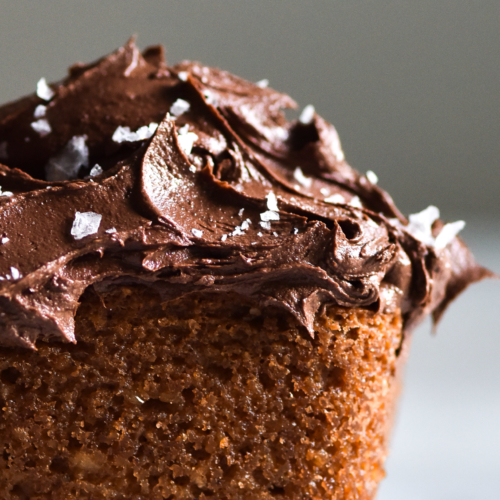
[[225, 195]]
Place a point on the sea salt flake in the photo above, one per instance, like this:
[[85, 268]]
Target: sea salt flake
[[192, 168], [43, 91], [355, 202], [448, 233], [272, 202], [124, 134], [259, 233], [335, 199], [96, 170], [301, 178], [186, 139], [240, 213], [15, 273], [3, 150], [324, 191], [41, 126], [246, 224], [183, 75], [420, 224], [372, 177], [85, 224], [275, 234], [179, 107], [40, 111], [223, 237], [7, 194], [111, 230], [68, 162], [263, 83], [5, 240], [197, 233], [265, 225], [269, 215], [295, 230], [237, 231], [210, 98], [139, 399], [307, 115]]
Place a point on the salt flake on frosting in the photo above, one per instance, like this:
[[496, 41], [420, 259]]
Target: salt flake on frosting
[[40, 111], [272, 202], [111, 230], [186, 140], [210, 98], [7, 194], [85, 224], [372, 177], [4, 240], [448, 233], [420, 225], [269, 215], [68, 162], [43, 91], [179, 107], [41, 126], [301, 178], [197, 233], [335, 199], [307, 115], [15, 273], [355, 202], [124, 134], [95, 170], [264, 83], [183, 75]]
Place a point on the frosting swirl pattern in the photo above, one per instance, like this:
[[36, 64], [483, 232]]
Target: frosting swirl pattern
[[191, 180]]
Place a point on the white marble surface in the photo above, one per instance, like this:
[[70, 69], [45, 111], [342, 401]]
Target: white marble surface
[[446, 445]]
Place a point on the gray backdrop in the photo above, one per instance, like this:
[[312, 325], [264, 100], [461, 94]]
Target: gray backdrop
[[413, 89]]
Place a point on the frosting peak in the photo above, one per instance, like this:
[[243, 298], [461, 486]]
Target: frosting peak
[[191, 179]]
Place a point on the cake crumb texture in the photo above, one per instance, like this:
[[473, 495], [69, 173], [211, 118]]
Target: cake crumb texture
[[201, 397]]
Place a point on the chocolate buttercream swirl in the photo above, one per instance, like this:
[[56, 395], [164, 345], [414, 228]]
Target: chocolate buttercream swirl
[[209, 189]]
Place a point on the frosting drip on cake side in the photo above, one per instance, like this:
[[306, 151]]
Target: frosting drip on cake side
[[190, 179]]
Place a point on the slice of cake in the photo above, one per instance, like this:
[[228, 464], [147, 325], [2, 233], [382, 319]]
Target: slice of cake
[[199, 299]]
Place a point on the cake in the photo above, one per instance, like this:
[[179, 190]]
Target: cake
[[199, 298]]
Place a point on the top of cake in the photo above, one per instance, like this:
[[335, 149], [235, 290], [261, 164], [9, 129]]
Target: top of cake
[[191, 179]]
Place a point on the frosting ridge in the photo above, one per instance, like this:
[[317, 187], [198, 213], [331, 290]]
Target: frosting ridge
[[206, 187]]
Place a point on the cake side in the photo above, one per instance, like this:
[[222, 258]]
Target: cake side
[[207, 397]]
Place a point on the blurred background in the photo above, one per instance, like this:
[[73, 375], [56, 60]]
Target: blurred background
[[414, 91]]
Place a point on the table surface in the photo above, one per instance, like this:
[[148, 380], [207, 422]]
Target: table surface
[[446, 444]]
